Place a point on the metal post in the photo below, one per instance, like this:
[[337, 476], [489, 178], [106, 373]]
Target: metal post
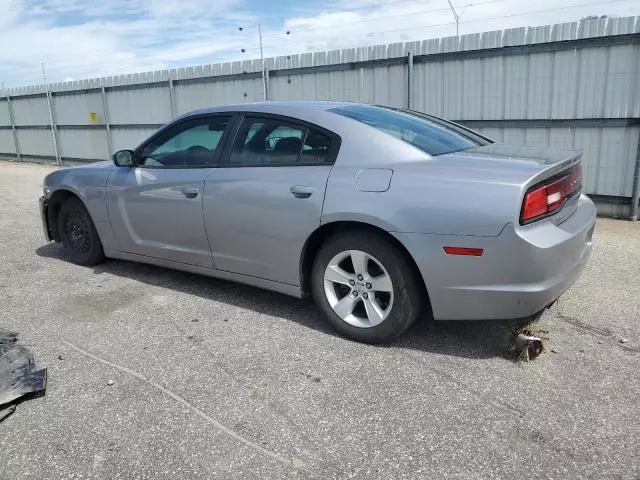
[[409, 77], [52, 120], [265, 93], [13, 127], [107, 125], [54, 135], [635, 197], [172, 99]]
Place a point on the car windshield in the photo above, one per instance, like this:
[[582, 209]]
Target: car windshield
[[431, 135]]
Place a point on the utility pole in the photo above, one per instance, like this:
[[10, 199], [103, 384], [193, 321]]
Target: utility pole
[[457, 17], [265, 94], [264, 72]]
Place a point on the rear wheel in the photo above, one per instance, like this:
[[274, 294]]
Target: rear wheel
[[365, 287], [78, 234]]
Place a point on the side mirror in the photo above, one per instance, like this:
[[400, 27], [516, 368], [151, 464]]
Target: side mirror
[[123, 158]]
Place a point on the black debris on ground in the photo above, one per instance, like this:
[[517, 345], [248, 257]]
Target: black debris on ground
[[6, 411], [18, 375]]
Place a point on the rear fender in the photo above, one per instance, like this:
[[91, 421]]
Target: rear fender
[[426, 198]]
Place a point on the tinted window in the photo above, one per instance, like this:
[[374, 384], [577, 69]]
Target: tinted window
[[316, 148], [432, 137], [193, 143], [262, 141], [252, 130], [283, 131]]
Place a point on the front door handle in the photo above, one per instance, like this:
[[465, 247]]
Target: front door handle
[[189, 192], [301, 191]]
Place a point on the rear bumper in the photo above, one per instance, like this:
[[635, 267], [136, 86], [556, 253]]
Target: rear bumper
[[521, 271], [45, 219]]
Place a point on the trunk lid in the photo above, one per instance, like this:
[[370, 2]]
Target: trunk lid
[[526, 153], [517, 156]]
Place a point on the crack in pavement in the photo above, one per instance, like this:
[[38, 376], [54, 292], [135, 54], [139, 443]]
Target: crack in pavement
[[294, 462]]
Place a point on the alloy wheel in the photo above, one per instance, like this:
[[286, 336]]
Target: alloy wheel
[[358, 288]]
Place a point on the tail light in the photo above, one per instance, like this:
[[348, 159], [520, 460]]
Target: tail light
[[543, 200]]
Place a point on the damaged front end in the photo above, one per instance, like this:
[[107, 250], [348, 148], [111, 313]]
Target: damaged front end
[[44, 217]]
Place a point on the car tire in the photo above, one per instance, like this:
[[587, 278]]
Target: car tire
[[78, 234], [381, 256]]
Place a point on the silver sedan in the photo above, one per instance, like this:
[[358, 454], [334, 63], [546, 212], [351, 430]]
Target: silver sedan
[[378, 213]]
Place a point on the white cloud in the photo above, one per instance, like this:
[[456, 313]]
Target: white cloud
[[108, 37], [421, 20], [83, 38]]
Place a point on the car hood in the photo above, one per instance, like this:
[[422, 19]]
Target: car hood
[[89, 174], [103, 164]]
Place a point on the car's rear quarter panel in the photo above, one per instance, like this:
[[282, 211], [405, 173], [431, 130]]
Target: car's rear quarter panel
[[426, 197]]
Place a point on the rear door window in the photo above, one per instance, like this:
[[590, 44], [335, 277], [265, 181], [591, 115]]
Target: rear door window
[[264, 141], [278, 142], [316, 148]]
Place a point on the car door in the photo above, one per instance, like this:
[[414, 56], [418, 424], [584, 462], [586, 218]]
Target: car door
[[266, 198], [155, 207]]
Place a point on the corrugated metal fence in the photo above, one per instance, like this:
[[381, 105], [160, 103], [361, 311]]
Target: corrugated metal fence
[[573, 85]]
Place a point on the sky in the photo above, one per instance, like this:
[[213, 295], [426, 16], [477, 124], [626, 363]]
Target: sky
[[78, 39]]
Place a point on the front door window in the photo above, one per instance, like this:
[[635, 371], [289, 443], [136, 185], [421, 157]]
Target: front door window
[[191, 144]]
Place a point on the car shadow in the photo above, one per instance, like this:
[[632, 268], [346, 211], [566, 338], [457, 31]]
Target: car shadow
[[468, 339]]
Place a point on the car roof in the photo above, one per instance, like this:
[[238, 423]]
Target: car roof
[[361, 144], [274, 106]]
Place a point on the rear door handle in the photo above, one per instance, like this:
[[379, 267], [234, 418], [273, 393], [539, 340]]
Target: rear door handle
[[189, 192], [301, 191]]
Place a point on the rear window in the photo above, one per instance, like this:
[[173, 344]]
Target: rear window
[[431, 135]]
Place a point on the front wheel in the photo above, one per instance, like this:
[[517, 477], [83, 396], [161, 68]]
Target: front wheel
[[365, 287], [78, 234]]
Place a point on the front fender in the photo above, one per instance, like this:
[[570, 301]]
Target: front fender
[[89, 184]]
